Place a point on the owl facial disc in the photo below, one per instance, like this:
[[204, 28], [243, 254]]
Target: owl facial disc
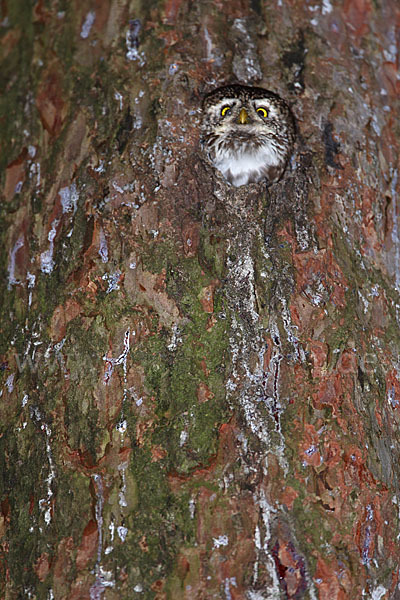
[[247, 134]]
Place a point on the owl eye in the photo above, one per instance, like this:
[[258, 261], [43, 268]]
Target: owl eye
[[262, 111], [225, 110]]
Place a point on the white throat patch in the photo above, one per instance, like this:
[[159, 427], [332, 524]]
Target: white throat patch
[[239, 167]]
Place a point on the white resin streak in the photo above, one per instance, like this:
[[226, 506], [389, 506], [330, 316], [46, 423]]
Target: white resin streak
[[395, 232], [104, 579], [258, 387]]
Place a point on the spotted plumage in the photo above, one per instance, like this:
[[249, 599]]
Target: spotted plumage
[[247, 133]]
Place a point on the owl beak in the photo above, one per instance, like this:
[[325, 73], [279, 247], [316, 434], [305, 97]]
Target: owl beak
[[243, 117]]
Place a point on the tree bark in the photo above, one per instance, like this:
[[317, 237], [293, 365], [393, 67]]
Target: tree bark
[[200, 384]]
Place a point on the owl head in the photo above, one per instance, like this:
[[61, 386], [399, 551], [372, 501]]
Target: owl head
[[247, 133]]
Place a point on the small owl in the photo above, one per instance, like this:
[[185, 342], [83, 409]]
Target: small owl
[[247, 133]]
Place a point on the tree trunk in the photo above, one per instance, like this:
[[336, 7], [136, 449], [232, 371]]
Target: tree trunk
[[200, 383]]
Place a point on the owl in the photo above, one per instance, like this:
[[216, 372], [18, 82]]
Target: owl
[[247, 133]]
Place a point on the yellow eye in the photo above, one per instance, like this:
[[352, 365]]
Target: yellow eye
[[225, 110], [262, 111]]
